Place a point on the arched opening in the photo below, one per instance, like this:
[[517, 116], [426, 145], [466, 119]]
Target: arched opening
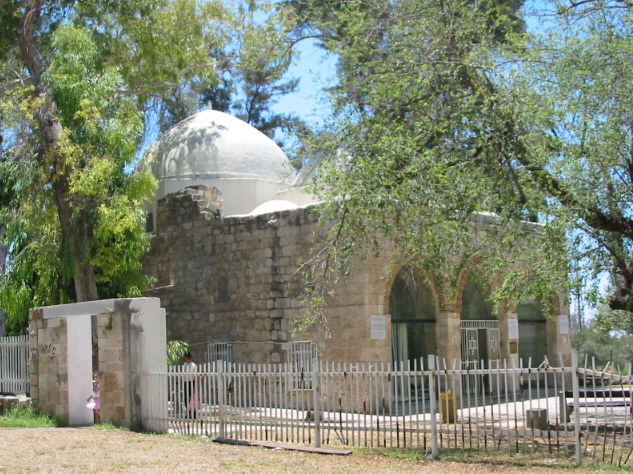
[[532, 333], [412, 309], [479, 327]]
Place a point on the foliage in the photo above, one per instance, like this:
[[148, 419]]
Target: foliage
[[447, 113], [579, 80], [20, 416], [416, 153], [601, 345], [176, 350], [73, 96]]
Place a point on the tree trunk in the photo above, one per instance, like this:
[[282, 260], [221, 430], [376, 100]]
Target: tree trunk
[[76, 235], [3, 254], [75, 229]]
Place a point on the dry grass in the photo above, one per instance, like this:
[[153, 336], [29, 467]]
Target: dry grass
[[113, 450]]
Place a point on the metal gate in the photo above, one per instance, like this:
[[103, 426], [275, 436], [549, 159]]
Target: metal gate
[[480, 345]]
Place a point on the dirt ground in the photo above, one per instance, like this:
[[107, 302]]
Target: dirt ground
[[112, 450]]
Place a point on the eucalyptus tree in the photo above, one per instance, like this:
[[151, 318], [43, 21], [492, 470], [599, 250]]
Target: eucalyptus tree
[[76, 79]]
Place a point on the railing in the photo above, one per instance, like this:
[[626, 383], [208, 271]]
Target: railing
[[427, 404], [479, 324], [219, 351], [14, 364]]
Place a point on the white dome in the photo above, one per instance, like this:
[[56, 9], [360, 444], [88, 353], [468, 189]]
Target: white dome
[[215, 145], [219, 151], [276, 205]]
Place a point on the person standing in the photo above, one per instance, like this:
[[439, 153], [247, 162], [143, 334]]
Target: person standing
[[191, 397], [94, 400]]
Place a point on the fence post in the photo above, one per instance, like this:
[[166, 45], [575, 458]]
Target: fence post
[[221, 391], [433, 395], [316, 391], [574, 375]]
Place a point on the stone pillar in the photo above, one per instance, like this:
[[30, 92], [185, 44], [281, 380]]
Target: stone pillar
[[112, 370], [48, 368], [448, 336]]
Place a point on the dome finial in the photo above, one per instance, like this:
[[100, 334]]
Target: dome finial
[[210, 104]]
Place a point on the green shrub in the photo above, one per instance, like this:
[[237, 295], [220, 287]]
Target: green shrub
[[175, 351], [21, 416]]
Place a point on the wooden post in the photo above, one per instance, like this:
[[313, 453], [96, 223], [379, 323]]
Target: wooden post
[[574, 378], [433, 395], [315, 401], [220, 375]]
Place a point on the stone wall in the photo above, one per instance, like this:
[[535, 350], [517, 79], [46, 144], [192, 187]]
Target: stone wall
[[237, 279]]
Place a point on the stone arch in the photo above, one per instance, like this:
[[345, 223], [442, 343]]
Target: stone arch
[[480, 326], [438, 296], [539, 329], [413, 307], [471, 265]]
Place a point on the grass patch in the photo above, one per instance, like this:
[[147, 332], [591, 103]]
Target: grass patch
[[108, 425], [524, 458], [21, 416], [401, 454]]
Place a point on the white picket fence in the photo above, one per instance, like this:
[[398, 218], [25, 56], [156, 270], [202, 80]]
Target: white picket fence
[[429, 405], [14, 364]]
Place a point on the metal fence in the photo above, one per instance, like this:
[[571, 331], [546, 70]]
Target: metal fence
[[14, 365], [427, 404]]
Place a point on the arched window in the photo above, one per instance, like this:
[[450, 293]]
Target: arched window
[[412, 311], [474, 304]]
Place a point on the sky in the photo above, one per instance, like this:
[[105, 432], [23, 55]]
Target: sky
[[316, 70]]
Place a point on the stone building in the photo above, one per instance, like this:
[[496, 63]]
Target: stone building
[[232, 226]]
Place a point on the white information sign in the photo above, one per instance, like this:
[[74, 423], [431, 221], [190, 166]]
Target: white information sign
[[513, 328], [378, 327], [563, 324]]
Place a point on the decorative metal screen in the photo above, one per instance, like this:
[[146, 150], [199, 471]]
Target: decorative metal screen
[[494, 344], [219, 351], [301, 356], [471, 341], [470, 345]]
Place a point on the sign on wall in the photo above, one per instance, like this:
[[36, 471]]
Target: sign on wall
[[513, 328], [378, 327], [563, 324]]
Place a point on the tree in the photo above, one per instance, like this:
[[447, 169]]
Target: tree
[[416, 149], [75, 85], [252, 63], [584, 159], [445, 110]]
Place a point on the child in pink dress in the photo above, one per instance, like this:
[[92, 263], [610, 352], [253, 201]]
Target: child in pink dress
[[94, 400]]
